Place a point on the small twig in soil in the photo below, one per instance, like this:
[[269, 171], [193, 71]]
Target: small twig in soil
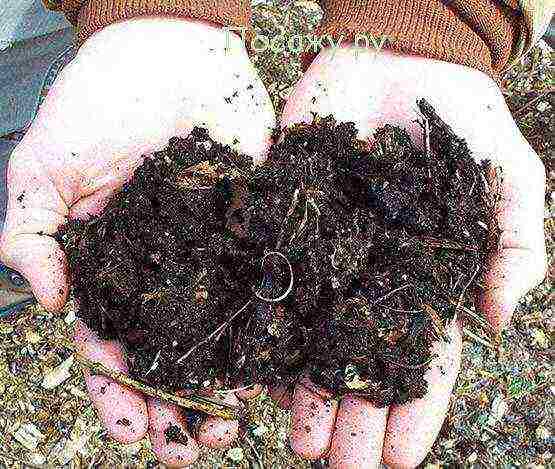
[[436, 321], [291, 281], [224, 392], [292, 206], [427, 148], [303, 223], [410, 367], [127, 240], [215, 333], [407, 311], [154, 365], [532, 101], [256, 453], [478, 339], [474, 316], [387, 295], [314, 205], [427, 137], [108, 270], [199, 404], [447, 244], [471, 191], [463, 291]]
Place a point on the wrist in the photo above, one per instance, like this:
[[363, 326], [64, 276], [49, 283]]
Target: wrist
[[167, 39]]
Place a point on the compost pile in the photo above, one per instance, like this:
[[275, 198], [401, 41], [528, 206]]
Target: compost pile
[[333, 258]]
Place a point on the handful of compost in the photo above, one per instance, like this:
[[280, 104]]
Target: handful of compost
[[333, 257]]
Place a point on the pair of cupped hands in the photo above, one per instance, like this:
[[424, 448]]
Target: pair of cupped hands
[[135, 84]]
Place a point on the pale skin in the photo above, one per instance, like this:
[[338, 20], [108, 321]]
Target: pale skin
[[130, 89]]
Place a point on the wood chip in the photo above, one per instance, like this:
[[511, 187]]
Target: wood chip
[[498, 409], [70, 317], [29, 436], [32, 337], [37, 459], [235, 454], [6, 328], [58, 375], [80, 435]]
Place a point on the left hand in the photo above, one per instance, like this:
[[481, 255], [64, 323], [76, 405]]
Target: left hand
[[372, 89]]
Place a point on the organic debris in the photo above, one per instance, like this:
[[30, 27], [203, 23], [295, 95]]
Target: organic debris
[[56, 376], [28, 435]]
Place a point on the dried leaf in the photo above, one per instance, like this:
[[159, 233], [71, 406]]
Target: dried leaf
[[80, 435], [352, 379]]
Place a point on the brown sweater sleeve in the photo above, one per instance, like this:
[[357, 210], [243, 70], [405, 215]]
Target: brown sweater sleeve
[[475, 33], [90, 16]]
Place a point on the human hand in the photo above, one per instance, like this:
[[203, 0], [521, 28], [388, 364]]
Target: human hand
[[131, 87], [372, 89]]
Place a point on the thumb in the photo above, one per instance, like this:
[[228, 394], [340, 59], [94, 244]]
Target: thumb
[[520, 264], [511, 274], [34, 212], [42, 262]]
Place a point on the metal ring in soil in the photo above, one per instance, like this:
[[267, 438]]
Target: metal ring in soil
[[291, 282]]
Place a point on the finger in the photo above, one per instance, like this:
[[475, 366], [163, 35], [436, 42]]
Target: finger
[[92, 205], [358, 436], [412, 428], [313, 415], [216, 432], [168, 434], [122, 410], [99, 184], [282, 396], [521, 263]]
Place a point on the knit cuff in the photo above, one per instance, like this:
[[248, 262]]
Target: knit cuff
[[93, 15], [476, 33]]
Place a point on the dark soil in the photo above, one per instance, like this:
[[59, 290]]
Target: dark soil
[[334, 258], [174, 434]]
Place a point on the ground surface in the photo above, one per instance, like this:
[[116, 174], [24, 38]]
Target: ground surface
[[502, 409]]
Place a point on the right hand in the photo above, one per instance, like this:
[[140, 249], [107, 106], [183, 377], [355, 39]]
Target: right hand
[[131, 87]]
